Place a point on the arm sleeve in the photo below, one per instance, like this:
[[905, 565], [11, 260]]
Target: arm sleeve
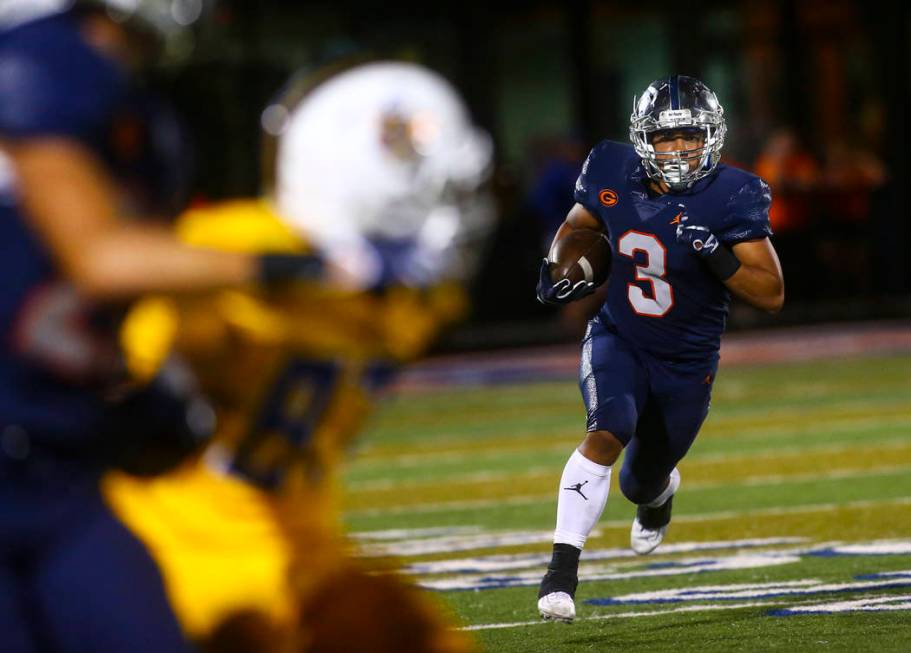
[[586, 190], [38, 98], [747, 213]]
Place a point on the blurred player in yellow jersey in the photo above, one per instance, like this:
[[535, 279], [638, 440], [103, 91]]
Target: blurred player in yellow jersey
[[377, 170]]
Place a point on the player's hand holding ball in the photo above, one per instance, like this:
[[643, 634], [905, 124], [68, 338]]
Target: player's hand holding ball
[[579, 262], [563, 291]]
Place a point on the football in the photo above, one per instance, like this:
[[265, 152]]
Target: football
[[581, 255]]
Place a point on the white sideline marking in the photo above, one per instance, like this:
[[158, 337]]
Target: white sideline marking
[[745, 591], [869, 604], [899, 602], [484, 540], [624, 615], [592, 573], [886, 547], [396, 534], [766, 593], [506, 562], [893, 574], [492, 572]]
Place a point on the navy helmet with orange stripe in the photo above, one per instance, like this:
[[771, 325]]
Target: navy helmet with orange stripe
[[678, 103]]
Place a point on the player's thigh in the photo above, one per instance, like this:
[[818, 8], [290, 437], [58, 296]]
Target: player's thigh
[[100, 591], [677, 405], [683, 397], [613, 383]]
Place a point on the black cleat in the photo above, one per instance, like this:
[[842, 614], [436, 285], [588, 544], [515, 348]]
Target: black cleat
[[558, 587]]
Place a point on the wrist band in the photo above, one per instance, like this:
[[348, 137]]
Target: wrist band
[[278, 268], [723, 262]]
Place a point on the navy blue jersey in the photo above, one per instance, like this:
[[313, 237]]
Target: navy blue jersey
[[52, 85], [661, 297]]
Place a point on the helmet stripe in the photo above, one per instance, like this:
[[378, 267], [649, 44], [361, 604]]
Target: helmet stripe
[[675, 92]]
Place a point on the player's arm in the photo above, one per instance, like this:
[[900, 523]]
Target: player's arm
[[69, 200], [563, 291], [750, 269], [758, 281], [578, 218]]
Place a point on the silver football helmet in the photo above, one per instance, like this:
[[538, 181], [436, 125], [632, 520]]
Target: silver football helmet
[[678, 103]]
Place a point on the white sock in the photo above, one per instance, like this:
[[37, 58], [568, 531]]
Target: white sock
[[672, 486], [581, 498]]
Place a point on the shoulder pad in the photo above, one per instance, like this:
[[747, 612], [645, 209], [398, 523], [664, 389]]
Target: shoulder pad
[[239, 226], [746, 215], [607, 163]]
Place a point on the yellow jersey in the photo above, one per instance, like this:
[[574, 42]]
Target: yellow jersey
[[251, 525]]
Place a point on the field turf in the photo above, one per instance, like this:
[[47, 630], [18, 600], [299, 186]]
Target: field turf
[[791, 531]]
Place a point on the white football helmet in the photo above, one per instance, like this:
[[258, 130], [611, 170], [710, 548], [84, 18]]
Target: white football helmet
[[381, 152]]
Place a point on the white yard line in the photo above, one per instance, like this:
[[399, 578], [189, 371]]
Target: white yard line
[[627, 615], [752, 591], [508, 562], [492, 539], [589, 572], [894, 602], [795, 589]]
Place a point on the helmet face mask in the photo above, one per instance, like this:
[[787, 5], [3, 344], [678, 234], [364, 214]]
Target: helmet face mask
[[676, 104]]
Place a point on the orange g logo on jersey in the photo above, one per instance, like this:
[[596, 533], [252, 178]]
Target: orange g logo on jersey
[[608, 197]]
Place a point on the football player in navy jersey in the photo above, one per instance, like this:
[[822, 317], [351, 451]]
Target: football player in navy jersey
[[71, 577], [686, 232]]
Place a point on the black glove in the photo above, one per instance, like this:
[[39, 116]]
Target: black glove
[[563, 291], [154, 427], [722, 261], [283, 268]]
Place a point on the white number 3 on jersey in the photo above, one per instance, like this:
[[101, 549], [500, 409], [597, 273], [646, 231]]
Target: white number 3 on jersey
[[652, 272]]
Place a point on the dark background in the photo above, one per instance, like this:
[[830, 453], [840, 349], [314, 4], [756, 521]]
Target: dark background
[[815, 93]]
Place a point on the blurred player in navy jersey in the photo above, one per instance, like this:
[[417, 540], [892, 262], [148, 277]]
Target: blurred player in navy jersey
[[686, 232], [71, 577]]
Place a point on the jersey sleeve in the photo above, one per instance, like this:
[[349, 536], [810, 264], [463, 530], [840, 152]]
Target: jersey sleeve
[[62, 90], [746, 215], [586, 190]]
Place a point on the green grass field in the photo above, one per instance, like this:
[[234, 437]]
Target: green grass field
[[795, 463]]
